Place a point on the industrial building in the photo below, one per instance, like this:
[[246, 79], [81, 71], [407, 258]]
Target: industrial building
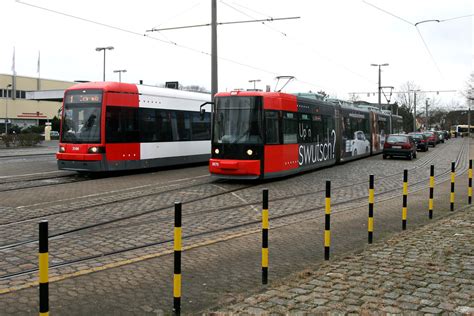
[[26, 101]]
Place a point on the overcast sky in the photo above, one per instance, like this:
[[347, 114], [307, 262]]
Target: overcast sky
[[329, 48]]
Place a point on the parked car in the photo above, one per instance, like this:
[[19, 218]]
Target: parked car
[[432, 138], [421, 141], [447, 135], [54, 134], [400, 145], [440, 136]]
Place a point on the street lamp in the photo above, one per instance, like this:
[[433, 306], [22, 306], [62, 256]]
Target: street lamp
[[254, 81], [6, 108], [380, 81], [104, 49], [120, 73]]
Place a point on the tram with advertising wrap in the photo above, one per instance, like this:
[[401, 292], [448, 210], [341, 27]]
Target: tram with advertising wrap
[[260, 135], [109, 126]]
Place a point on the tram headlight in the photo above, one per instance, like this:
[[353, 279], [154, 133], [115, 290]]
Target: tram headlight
[[216, 151], [249, 152], [62, 149], [93, 150]]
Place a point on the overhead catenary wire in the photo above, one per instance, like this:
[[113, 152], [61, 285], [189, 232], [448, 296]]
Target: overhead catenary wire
[[418, 31], [298, 42], [148, 37]]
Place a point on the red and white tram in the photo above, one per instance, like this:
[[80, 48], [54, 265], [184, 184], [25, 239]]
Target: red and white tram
[[109, 126], [258, 135]]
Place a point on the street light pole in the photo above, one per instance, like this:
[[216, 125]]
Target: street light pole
[[6, 109], [104, 49], [380, 81], [120, 73], [254, 81]]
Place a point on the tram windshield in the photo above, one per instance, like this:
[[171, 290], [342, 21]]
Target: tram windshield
[[81, 117], [237, 120]]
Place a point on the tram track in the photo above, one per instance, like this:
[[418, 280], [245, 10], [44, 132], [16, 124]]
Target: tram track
[[139, 214], [414, 186], [24, 184]]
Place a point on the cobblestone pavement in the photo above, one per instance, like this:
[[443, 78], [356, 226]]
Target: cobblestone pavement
[[427, 271], [218, 267]]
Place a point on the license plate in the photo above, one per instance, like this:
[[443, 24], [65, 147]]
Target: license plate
[[397, 147]]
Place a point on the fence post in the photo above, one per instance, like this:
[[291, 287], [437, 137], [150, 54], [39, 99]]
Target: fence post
[[371, 208], [177, 260], [327, 222], [469, 189], [432, 183], [405, 199], [265, 226], [453, 174], [43, 269]]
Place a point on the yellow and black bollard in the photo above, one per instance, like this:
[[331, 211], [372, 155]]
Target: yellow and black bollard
[[432, 183], [327, 222], [265, 227], [469, 189], [43, 269], [453, 175], [405, 199], [177, 260], [371, 208]]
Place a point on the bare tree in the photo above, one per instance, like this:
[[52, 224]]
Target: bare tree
[[406, 98], [354, 97]]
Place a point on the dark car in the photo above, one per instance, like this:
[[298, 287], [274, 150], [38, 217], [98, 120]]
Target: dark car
[[400, 145], [432, 138], [421, 141]]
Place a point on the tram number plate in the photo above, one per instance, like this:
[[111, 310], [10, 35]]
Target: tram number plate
[[397, 147]]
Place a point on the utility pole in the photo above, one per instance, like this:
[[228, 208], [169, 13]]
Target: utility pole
[[214, 87], [213, 24], [414, 107], [380, 81], [427, 117]]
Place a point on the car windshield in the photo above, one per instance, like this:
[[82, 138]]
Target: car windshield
[[428, 134], [417, 136], [237, 120], [396, 139]]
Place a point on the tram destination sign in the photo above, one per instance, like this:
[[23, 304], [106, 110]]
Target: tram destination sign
[[84, 98]]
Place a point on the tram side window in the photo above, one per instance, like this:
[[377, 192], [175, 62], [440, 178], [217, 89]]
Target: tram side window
[[318, 128], [305, 129], [148, 127], [163, 123], [201, 128], [121, 125], [290, 128], [181, 124], [328, 123], [272, 132]]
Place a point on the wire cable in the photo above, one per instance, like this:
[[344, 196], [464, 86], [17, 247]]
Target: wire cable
[[389, 13], [301, 44], [169, 42], [429, 52]]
